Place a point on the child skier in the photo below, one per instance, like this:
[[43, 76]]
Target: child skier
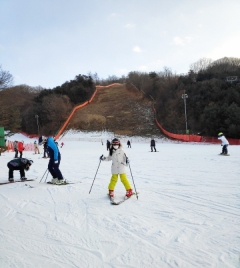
[[20, 164], [119, 161], [224, 144]]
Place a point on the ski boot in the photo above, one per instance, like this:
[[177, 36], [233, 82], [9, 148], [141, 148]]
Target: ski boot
[[54, 180], [111, 193], [129, 193], [60, 182]]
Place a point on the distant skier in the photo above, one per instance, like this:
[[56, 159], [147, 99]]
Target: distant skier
[[54, 162], [36, 148], [108, 145], [20, 148], [153, 145], [20, 164], [129, 144], [224, 144], [62, 144], [40, 140], [119, 162], [15, 147], [45, 153]]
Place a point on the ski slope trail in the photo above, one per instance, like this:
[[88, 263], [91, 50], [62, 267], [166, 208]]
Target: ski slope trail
[[122, 110], [187, 213]]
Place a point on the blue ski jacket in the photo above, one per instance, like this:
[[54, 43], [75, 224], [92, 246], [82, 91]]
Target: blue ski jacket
[[53, 151]]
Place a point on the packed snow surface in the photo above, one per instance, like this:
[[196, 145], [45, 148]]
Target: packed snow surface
[[187, 213]]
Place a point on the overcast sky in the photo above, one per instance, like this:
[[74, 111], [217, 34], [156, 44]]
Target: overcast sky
[[48, 42]]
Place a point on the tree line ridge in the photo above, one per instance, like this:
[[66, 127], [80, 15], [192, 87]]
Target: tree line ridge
[[212, 106]]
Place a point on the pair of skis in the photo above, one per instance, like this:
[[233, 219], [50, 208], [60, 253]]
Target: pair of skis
[[7, 182], [66, 183], [116, 203]]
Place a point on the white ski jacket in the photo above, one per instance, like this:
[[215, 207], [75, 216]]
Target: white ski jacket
[[224, 140], [118, 161]]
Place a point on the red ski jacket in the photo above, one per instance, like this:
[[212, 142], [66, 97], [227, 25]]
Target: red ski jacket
[[20, 146]]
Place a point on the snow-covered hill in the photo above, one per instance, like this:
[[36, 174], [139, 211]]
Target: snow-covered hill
[[187, 214]]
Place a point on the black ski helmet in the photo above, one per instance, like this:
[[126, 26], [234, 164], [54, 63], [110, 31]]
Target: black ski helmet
[[29, 162], [115, 141]]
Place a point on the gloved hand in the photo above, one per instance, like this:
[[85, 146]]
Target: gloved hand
[[102, 157], [56, 162], [127, 160]]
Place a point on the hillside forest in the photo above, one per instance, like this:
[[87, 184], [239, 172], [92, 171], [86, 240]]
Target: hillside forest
[[212, 104]]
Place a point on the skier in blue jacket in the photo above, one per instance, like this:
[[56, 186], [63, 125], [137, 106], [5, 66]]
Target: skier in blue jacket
[[54, 162]]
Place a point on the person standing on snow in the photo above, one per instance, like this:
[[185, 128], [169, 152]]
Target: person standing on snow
[[129, 144], [119, 162], [152, 145], [20, 148], [54, 162], [108, 145], [224, 144], [15, 147], [36, 148], [20, 164], [45, 153], [40, 140]]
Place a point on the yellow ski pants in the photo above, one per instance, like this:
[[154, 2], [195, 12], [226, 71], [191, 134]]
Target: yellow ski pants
[[114, 180]]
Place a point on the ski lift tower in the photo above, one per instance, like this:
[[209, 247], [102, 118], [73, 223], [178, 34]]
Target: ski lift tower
[[184, 97]]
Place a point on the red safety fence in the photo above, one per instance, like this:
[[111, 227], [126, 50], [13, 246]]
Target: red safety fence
[[193, 138], [181, 137], [72, 113], [78, 107]]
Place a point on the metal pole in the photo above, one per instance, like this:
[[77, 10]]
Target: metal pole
[[133, 181], [185, 113], [94, 177], [36, 116], [184, 97]]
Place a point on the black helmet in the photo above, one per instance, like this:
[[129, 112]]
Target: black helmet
[[29, 162], [115, 141]]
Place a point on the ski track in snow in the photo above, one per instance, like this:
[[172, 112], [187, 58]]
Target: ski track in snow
[[187, 213]]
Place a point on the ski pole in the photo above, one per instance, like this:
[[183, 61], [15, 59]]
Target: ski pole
[[46, 176], [95, 176], [43, 175], [133, 181]]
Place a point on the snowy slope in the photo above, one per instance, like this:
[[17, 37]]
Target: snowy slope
[[187, 214]]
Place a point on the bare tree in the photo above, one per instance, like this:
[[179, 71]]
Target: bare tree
[[200, 65], [6, 79]]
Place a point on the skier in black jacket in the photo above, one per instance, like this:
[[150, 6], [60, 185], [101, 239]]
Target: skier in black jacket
[[45, 148], [152, 145], [20, 164]]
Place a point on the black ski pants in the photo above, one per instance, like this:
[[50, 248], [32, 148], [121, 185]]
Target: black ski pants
[[54, 169], [225, 149], [153, 147], [16, 153]]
